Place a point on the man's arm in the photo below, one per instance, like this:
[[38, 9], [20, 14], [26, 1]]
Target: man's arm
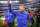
[[13, 18], [5, 17], [9, 7], [29, 19]]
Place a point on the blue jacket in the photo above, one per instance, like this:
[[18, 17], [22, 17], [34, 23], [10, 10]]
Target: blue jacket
[[9, 17], [20, 16]]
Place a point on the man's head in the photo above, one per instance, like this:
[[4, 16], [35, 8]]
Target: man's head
[[21, 8]]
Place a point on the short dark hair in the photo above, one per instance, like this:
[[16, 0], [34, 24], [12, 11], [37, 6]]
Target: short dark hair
[[22, 5]]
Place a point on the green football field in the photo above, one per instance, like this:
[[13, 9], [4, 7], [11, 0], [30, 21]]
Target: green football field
[[34, 25]]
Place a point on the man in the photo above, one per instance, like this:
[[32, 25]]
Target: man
[[38, 17], [10, 18], [22, 16], [31, 14]]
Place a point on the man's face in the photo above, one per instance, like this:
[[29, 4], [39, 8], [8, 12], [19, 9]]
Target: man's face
[[21, 8]]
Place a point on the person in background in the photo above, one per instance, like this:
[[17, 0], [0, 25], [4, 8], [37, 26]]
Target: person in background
[[38, 17], [21, 15], [10, 18], [31, 14]]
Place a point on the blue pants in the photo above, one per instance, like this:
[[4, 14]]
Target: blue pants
[[10, 24], [22, 24]]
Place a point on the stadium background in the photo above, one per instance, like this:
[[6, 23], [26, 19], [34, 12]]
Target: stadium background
[[28, 4]]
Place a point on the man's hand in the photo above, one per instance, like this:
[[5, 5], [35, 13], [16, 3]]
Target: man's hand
[[8, 1], [30, 24]]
